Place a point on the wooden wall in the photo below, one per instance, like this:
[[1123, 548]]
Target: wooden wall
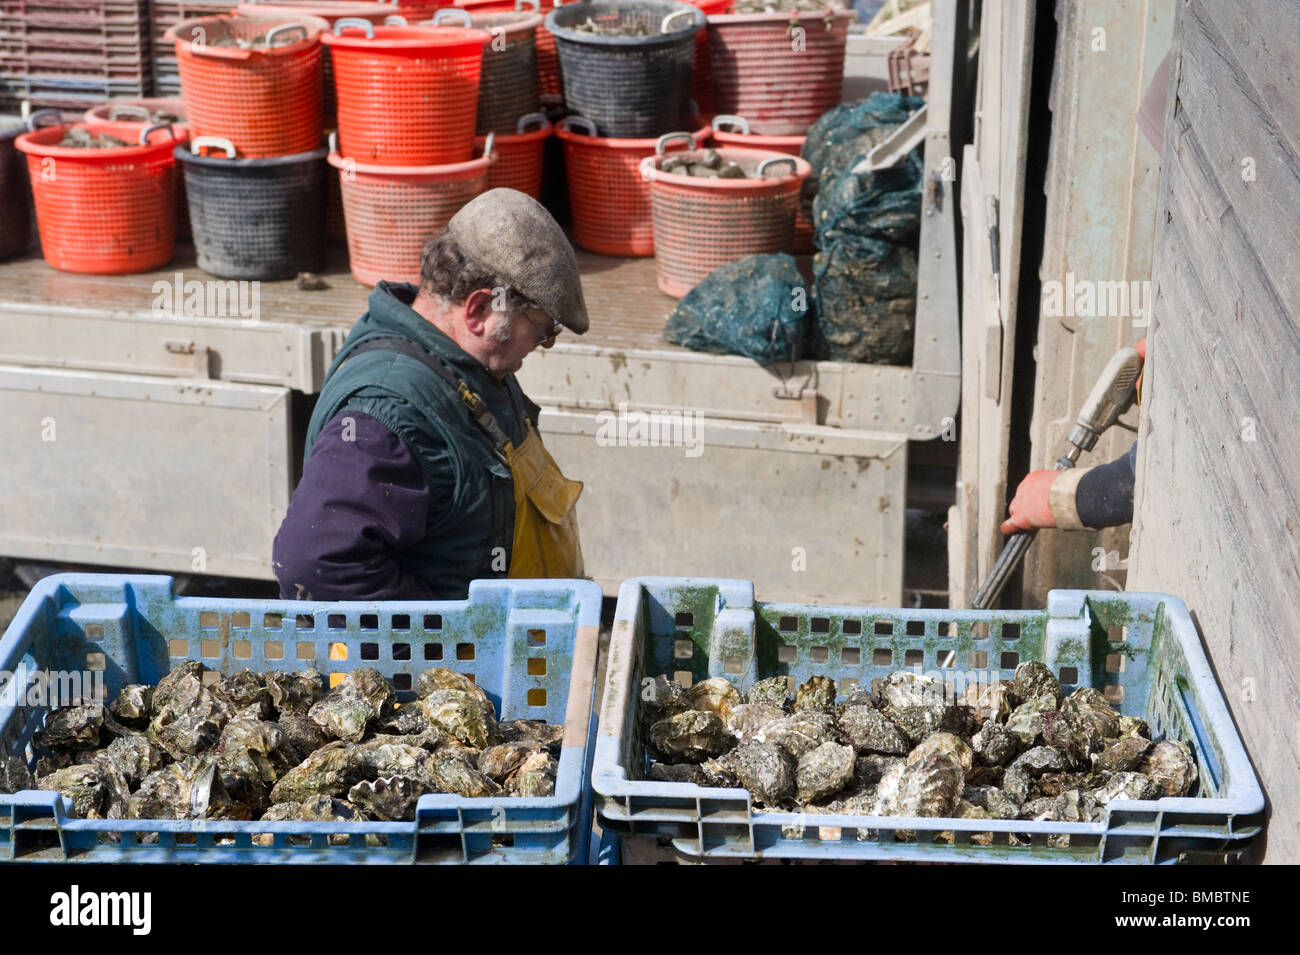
[[1218, 495]]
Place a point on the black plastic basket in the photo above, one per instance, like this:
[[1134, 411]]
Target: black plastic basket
[[15, 193], [255, 218], [631, 87]]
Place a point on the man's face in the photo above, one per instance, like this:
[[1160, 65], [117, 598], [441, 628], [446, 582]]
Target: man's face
[[511, 336]]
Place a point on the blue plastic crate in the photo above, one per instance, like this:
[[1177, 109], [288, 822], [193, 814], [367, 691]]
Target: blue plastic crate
[[135, 630], [1142, 650]]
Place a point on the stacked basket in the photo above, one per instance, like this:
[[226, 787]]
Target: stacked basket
[[254, 171]]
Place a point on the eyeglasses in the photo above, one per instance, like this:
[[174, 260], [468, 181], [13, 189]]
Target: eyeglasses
[[549, 331]]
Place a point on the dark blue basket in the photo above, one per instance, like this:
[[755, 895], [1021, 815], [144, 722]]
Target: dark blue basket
[[134, 630]]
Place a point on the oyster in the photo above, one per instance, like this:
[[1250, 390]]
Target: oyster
[[774, 691], [117, 788], [1034, 680], [992, 800], [1026, 720], [675, 773], [1089, 708], [71, 727], [1074, 736], [714, 695], [294, 692], [905, 689], [248, 695], [361, 698], [931, 785], [165, 793], [1128, 786], [747, 720], [1039, 810], [442, 678], [968, 810], [990, 701], [536, 777], [461, 715], [82, 784], [500, 763], [661, 698], [824, 771], [766, 770], [14, 775], [48, 764], [1122, 756], [392, 798], [995, 744], [1134, 726], [378, 758], [871, 769], [313, 809], [799, 732], [1039, 760], [405, 720], [257, 750], [1170, 764], [717, 774], [455, 773], [132, 704], [135, 757], [329, 771], [1016, 783], [187, 716], [985, 776], [815, 693], [214, 795], [690, 736], [868, 731], [886, 803], [301, 733], [942, 743], [918, 722], [549, 736]]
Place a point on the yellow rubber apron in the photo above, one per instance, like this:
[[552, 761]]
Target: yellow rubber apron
[[546, 520]]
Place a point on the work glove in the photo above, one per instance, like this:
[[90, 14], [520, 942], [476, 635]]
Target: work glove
[[1029, 509]]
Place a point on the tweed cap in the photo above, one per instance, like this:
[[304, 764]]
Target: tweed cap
[[514, 236]]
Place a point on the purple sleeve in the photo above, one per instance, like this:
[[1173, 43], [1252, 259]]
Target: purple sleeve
[[361, 501]]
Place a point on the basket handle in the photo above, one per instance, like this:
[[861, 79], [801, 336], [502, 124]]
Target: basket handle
[[286, 27], [584, 125], [334, 141], [451, 13], [342, 23], [127, 109], [488, 144], [393, 20], [144, 133], [663, 24], [767, 164], [216, 142], [661, 144], [727, 119], [526, 121], [34, 120], [525, 4]]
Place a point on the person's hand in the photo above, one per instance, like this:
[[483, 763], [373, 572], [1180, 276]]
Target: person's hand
[[1029, 508], [1141, 349]]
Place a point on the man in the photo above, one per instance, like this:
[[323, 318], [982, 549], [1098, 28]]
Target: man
[[423, 469]]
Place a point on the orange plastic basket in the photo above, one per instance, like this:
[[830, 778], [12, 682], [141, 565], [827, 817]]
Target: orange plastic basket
[[608, 195], [701, 224], [105, 211], [702, 69], [138, 110], [519, 156], [781, 71], [266, 101], [407, 95], [392, 210], [740, 136]]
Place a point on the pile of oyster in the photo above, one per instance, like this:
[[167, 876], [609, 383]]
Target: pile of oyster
[[1015, 749], [706, 165], [277, 747]]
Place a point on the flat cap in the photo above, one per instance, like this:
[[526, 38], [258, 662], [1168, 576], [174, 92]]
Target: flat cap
[[513, 235]]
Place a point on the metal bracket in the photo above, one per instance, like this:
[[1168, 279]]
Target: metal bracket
[[200, 356], [803, 390]]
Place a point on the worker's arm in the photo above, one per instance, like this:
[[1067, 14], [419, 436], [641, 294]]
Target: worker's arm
[[1077, 498], [362, 499]]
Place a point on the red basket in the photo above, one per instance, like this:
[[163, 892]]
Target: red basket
[[105, 211], [701, 224], [268, 101], [702, 69], [519, 156], [790, 145], [133, 110], [608, 195], [760, 72], [392, 210], [407, 96]]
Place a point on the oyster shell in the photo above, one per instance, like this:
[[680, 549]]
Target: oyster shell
[[1122, 756], [380, 758], [904, 689], [943, 743], [1128, 786], [918, 722], [931, 785], [1134, 726], [82, 784], [187, 716], [691, 736], [71, 727], [995, 744], [500, 763], [985, 776], [799, 732], [48, 764], [990, 701], [536, 777], [774, 691], [1039, 760], [257, 750], [869, 770], [714, 695], [462, 716], [675, 773], [294, 692], [329, 771], [441, 678], [1089, 708], [117, 788], [1171, 766], [824, 771], [405, 720], [301, 733], [549, 736], [456, 773], [392, 798], [248, 695], [886, 803], [1026, 720], [747, 720], [869, 731], [132, 705], [135, 757], [661, 698], [361, 698], [993, 800], [313, 809], [766, 770], [717, 774], [1073, 736], [14, 775], [165, 793], [1034, 680], [815, 693], [214, 795], [1016, 783]]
